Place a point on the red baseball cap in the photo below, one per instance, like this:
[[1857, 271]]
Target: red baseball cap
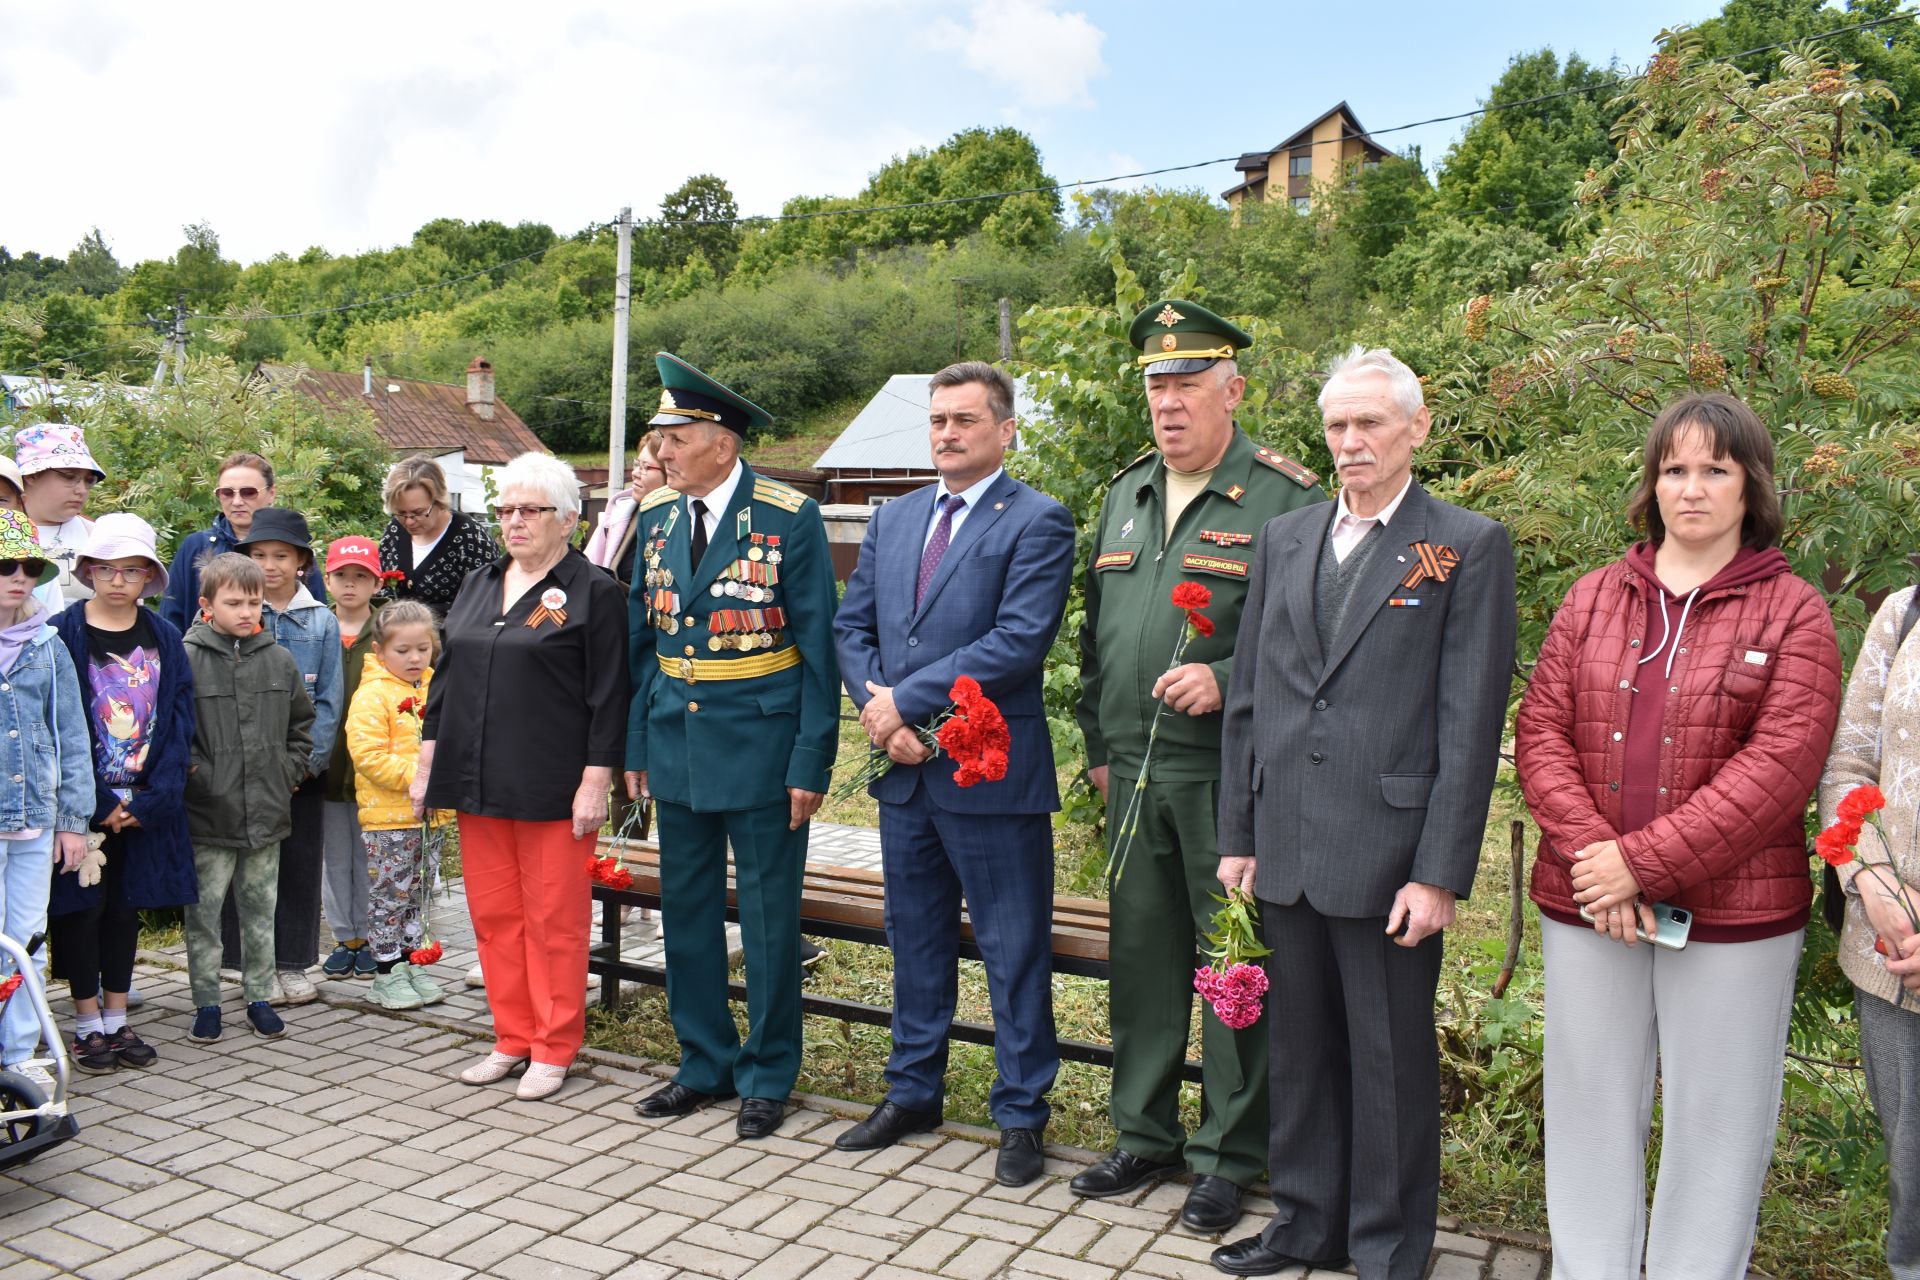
[[358, 551]]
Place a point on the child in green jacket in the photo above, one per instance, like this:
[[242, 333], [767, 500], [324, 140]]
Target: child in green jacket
[[252, 742]]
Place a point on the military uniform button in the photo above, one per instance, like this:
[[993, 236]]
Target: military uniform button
[[1316, 757], [693, 706], [687, 621], [689, 651]]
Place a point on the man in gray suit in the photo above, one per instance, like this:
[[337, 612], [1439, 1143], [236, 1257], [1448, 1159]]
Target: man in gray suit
[[1377, 646]]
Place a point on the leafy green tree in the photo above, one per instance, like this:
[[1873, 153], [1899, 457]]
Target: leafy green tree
[[1521, 162], [196, 272], [91, 267], [159, 447], [702, 198], [1738, 248], [1889, 51]]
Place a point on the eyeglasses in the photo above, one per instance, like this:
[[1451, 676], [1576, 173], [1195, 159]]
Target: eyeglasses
[[246, 492], [120, 573], [408, 517], [30, 566], [504, 514]]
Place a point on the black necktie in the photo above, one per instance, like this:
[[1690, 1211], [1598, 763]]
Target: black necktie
[[699, 532]]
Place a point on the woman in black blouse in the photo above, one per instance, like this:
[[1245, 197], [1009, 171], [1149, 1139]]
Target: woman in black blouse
[[435, 546], [526, 723]]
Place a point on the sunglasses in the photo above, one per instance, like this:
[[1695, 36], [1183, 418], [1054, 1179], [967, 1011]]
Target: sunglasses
[[247, 493], [30, 566]]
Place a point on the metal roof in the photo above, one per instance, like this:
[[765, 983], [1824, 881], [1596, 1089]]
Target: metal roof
[[890, 432]]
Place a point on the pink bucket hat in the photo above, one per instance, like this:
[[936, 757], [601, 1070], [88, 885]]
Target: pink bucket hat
[[11, 474], [50, 446], [120, 534]]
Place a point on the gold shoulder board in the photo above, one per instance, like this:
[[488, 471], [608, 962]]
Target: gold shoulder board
[[772, 492], [659, 497]]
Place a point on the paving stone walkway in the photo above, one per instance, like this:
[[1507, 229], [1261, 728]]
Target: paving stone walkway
[[345, 1149]]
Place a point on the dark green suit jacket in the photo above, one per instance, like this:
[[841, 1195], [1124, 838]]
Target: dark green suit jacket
[[721, 744]]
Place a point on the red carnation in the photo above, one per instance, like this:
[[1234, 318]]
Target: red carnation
[[1834, 846], [429, 954], [965, 692], [1191, 595], [1201, 623], [1860, 802], [958, 737]]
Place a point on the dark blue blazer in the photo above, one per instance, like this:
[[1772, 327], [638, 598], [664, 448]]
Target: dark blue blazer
[[158, 854], [991, 612]]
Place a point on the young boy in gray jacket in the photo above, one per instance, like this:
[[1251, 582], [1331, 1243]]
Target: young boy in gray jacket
[[252, 743]]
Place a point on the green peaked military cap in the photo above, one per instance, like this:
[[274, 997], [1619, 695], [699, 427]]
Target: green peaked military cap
[[1177, 336], [688, 395]]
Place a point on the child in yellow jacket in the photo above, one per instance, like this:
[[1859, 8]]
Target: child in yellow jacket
[[403, 853]]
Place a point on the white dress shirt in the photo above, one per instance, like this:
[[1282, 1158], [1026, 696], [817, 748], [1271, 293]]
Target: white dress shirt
[[969, 497], [1349, 528], [718, 501]]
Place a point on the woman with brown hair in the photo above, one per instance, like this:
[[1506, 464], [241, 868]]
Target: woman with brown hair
[[433, 545], [1673, 730]]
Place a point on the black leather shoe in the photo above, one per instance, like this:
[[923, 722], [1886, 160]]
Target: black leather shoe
[[1212, 1206], [760, 1116], [1120, 1173], [674, 1099], [1252, 1257], [1020, 1159], [886, 1125]]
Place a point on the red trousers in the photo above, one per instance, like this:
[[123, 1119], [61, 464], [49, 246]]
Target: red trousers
[[531, 896]]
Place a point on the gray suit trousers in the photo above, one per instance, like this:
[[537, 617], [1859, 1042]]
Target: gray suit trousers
[[1351, 1017]]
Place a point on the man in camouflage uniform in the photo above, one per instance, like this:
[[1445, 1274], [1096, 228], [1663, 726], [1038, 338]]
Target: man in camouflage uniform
[[1189, 510]]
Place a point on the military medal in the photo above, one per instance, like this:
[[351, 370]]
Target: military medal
[[773, 548], [756, 552], [552, 608]]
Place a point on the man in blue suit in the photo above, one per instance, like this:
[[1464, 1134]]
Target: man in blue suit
[[965, 577]]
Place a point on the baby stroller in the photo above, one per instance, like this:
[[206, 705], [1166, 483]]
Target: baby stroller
[[30, 1122]]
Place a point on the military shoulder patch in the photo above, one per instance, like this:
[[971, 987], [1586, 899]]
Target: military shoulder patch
[[659, 498], [774, 493], [1131, 465], [1287, 467], [1113, 560]]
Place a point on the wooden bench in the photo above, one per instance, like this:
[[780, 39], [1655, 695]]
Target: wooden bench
[[848, 903]]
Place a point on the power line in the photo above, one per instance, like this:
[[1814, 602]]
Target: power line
[[1049, 188]]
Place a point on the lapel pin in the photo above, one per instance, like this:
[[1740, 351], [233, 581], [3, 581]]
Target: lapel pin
[[999, 506], [1401, 559]]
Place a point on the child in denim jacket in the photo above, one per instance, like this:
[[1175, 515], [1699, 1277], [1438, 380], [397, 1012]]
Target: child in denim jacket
[[46, 775]]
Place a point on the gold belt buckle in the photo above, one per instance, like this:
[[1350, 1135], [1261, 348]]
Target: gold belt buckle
[[686, 670]]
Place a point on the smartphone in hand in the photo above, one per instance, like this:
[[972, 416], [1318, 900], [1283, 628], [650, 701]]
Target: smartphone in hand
[[1671, 925]]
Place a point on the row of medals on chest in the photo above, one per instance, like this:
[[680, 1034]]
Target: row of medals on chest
[[751, 579]]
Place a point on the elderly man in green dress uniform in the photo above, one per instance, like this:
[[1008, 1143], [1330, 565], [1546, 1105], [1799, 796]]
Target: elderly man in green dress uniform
[[1189, 510], [733, 729]]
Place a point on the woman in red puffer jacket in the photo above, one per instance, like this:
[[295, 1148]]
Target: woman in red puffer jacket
[[1673, 731]]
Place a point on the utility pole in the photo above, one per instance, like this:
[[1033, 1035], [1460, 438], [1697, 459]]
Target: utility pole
[[957, 282], [179, 338], [1006, 330], [622, 307]]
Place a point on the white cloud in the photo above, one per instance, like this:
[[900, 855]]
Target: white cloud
[[283, 130], [1046, 57]]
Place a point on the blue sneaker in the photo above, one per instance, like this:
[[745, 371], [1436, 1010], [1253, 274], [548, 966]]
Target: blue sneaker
[[340, 963], [265, 1021], [206, 1024], [364, 965]]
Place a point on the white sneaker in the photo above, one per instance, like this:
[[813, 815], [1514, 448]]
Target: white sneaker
[[475, 978], [295, 988], [36, 1070]]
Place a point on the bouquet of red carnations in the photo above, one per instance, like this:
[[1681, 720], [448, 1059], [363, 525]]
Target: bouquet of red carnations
[[971, 732]]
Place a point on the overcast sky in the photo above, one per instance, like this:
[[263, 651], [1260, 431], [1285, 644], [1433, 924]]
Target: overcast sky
[[348, 124]]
